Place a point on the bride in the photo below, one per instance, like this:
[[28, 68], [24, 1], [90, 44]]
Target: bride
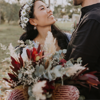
[[40, 20]]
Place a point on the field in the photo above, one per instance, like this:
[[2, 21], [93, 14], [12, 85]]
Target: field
[[10, 34]]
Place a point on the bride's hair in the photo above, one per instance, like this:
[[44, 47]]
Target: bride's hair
[[31, 33]]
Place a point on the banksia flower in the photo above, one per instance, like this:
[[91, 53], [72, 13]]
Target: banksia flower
[[66, 92], [18, 93]]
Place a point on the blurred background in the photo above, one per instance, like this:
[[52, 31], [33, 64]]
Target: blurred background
[[66, 14]]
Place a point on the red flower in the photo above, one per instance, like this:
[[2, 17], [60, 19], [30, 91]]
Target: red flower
[[48, 88], [16, 66], [34, 54], [62, 62], [89, 78]]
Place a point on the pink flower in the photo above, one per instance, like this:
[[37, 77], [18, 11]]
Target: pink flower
[[66, 92], [19, 93]]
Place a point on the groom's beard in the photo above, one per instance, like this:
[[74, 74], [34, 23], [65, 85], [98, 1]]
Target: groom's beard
[[78, 2]]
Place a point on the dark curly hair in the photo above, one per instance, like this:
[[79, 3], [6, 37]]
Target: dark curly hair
[[31, 33]]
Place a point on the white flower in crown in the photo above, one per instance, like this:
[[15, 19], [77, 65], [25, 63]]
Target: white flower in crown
[[23, 13], [26, 6], [28, 9], [23, 25], [21, 18], [29, 2], [25, 19]]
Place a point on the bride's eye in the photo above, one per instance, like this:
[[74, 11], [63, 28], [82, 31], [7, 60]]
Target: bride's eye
[[42, 8], [47, 6]]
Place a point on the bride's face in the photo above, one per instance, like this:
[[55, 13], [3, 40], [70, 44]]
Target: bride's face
[[43, 14]]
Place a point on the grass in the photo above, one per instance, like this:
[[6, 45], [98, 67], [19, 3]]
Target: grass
[[10, 34], [65, 26]]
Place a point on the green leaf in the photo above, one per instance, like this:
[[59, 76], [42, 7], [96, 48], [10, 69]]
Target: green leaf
[[64, 51], [79, 59], [27, 42], [30, 91], [19, 75], [39, 70], [32, 98], [60, 51], [69, 63], [81, 97]]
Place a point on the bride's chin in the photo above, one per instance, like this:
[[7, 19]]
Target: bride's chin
[[54, 20]]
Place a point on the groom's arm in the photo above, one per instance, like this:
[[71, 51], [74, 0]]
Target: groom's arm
[[87, 44]]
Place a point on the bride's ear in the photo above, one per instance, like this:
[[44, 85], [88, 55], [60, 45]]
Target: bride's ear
[[32, 22]]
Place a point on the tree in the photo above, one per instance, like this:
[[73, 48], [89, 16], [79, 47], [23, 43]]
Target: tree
[[69, 9], [49, 3], [9, 11]]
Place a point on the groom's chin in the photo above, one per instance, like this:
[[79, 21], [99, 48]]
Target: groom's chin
[[77, 2]]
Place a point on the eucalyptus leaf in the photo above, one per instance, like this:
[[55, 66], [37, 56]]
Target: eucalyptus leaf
[[30, 91], [39, 70], [57, 72], [49, 76], [32, 98], [81, 97], [60, 51], [48, 95], [45, 75], [19, 75], [64, 51], [79, 60], [28, 42], [58, 67], [69, 63]]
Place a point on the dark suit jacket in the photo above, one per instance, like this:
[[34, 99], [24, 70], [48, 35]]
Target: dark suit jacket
[[85, 43]]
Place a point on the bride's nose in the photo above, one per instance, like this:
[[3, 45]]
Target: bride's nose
[[49, 10]]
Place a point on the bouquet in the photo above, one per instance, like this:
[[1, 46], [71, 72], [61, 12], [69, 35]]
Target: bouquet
[[40, 73]]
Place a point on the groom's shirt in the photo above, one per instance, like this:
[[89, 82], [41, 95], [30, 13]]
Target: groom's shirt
[[85, 40]]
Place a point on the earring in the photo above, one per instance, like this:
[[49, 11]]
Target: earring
[[34, 27]]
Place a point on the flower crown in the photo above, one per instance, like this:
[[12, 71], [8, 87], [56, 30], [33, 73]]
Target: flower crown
[[24, 19]]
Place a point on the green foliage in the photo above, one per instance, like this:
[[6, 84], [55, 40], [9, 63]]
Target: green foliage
[[57, 11], [69, 9], [10, 11]]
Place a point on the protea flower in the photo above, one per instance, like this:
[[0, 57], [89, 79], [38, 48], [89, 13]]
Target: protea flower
[[18, 93], [34, 54], [66, 92], [16, 66], [62, 62], [89, 78]]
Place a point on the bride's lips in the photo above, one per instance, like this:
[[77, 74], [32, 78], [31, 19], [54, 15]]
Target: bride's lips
[[51, 16]]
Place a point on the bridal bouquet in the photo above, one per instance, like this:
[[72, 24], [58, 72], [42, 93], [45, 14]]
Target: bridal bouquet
[[40, 73]]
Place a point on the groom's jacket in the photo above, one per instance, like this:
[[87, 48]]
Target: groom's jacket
[[85, 40], [85, 43]]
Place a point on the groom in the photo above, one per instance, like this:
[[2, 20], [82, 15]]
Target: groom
[[85, 40]]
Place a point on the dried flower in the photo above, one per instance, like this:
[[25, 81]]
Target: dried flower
[[49, 45], [70, 71], [38, 90]]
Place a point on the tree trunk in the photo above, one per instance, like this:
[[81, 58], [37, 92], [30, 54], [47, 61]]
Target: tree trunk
[[0, 17], [49, 3]]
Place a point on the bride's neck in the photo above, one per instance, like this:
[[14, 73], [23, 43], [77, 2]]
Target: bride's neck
[[43, 32]]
